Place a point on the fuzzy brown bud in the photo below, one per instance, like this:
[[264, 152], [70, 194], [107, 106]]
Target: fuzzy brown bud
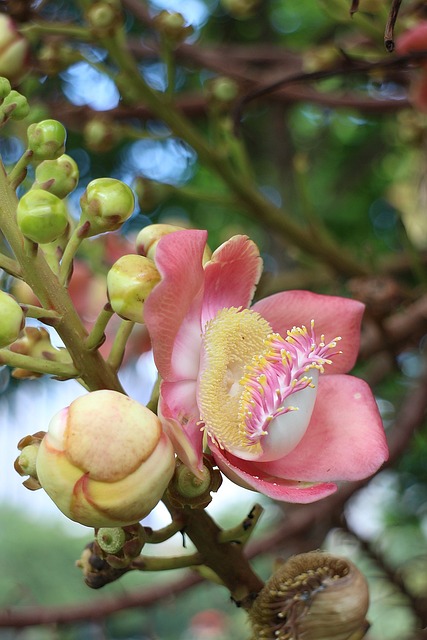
[[315, 596]]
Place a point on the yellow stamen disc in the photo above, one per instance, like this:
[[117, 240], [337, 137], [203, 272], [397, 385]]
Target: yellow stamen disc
[[231, 341]]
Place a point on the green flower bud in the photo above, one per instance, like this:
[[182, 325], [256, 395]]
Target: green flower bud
[[41, 216], [100, 134], [171, 25], [13, 50], [106, 204], [104, 17], [11, 319], [223, 90], [15, 106], [241, 8], [46, 140], [129, 283], [56, 55], [26, 463], [59, 176], [189, 490], [150, 193], [4, 88]]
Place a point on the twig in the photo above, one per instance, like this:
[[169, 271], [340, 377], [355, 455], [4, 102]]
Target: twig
[[392, 17]]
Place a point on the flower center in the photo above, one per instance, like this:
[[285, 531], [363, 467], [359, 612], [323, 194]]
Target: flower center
[[252, 379]]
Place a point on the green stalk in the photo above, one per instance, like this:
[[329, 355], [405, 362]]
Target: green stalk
[[39, 365]]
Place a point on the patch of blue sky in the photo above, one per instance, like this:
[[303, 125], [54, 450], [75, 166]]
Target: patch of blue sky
[[171, 161], [84, 85]]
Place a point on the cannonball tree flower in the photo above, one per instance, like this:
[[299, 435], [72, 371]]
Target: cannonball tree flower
[[105, 460], [264, 387]]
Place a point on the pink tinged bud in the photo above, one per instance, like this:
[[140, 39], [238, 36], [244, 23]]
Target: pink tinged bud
[[105, 461], [129, 283], [11, 319], [148, 239], [13, 50], [59, 176], [41, 216], [106, 204]]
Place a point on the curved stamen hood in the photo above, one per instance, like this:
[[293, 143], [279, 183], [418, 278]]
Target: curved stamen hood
[[257, 390]]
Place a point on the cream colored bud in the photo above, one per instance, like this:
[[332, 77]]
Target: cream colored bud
[[129, 283], [148, 239], [105, 460]]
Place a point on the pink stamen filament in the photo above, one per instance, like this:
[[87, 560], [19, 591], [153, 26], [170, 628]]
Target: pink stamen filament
[[278, 373]]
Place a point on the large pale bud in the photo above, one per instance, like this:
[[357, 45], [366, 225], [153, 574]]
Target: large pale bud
[[14, 50], [105, 460], [130, 281], [148, 239], [315, 596]]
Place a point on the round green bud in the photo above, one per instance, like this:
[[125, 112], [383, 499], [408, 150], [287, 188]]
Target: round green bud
[[15, 106], [106, 204], [151, 194], [46, 140], [4, 88], [104, 17], [241, 8], [11, 319], [41, 216], [171, 25], [223, 90], [129, 283], [59, 176], [101, 134]]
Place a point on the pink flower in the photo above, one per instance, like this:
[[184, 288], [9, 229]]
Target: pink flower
[[262, 387]]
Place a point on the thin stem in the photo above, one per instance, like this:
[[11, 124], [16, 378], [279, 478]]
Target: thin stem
[[56, 28], [73, 244], [19, 171], [10, 265], [97, 336], [156, 537], [119, 345], [243, 531], [39, 365], [31, 311], [159, 563]]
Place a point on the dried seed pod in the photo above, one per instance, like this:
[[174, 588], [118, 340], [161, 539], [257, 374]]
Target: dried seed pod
[[312, 596]]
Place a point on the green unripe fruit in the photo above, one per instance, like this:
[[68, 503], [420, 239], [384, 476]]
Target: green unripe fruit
[[129, 283], [46, 139], [11, 319], [41, 216], [106, 204], [59, 176]]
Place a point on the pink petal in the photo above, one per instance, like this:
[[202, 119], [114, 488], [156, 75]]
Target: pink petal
[[248, 475], [176, 301], [333, 316], [179, 414], [345, 439], [231, 276]]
